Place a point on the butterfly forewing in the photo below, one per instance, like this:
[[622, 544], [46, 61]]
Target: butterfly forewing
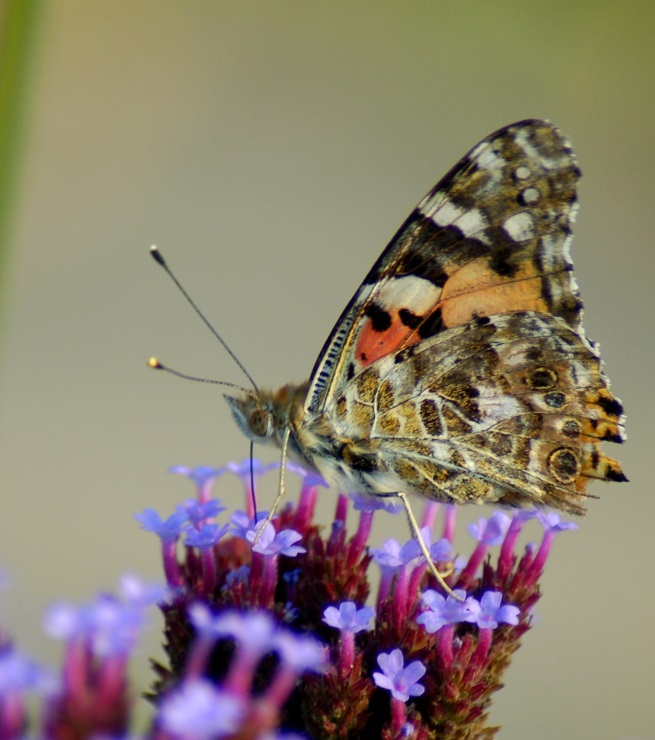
[[491, 237]]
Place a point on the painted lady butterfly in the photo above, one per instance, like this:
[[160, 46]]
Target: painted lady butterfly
[[460, 371]]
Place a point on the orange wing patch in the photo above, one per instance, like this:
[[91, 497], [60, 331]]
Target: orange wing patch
[[477, 290]]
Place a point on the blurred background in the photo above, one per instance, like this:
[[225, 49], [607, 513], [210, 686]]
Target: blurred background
[[271, 150]]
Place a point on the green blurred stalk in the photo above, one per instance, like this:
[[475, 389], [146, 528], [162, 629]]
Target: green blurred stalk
[[18, 21]]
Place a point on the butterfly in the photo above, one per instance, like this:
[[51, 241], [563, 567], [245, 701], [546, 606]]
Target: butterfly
[[459, 371]]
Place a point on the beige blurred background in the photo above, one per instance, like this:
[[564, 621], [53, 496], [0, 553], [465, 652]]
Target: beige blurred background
[[271, 149]]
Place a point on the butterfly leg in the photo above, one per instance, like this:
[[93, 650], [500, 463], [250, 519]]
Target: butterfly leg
[[416, 531], [280, 489]]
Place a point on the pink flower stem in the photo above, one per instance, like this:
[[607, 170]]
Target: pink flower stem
[[478, 661], [398, 716], [171, 566], [208, 570], [450, 520], [473, 564], [361, 535], [305, 509], [347, 652], [536, 567], [430, 514], [445, 648], [506, 555]]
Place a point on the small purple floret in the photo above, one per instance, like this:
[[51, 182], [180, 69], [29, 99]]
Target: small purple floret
[[201, 711], [491, 613], [197, 512], [551, 521], [199, 475], [490, 531], [167, 529], [271, 542], [207, 536], [442, 611], [368, 503], [348, 617], [400, 681]]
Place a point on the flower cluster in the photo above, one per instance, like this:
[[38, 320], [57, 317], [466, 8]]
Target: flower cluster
[[268, 633], [420, 663]]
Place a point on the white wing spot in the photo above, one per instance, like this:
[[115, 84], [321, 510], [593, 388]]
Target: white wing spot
[[519, 227], [549, 163], [441, 210], [411, 292], [472, 222], [522, 173], [485, 157], [530, 195], [444, 212]]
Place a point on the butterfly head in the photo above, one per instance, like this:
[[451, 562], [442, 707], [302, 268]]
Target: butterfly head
[[253, 413]]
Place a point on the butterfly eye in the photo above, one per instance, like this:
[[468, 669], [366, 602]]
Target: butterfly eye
[[259, 423]]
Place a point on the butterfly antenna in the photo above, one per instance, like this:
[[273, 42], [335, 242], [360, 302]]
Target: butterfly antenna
[[159, 259], [155, 364]]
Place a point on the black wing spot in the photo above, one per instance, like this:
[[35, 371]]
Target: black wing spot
[[432, 325], [610, 406], [409, 318], [501, 262], [617, 476], [380, 319]]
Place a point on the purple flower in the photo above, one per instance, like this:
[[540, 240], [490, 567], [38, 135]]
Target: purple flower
[[441, 550], [200, 711], [254, 630], [490, 531], [392, 554], [400, 681], [199, 475], [491, 613], [242, 524], [243, 469], [389, 555], [369, 503], [348, 617], [551, 521], [19, 674], [198, 513], [309, 477], [135, 591], [167, 530], [203, 476], [271, 542], [300, 652], [108, 626], [442, 611], [240, 575], [115, 628], [207, 536]]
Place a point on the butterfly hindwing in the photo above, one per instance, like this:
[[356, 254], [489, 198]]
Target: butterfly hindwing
[[510, 409]]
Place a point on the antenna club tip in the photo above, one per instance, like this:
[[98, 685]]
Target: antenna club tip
[[156, 255], [154, 363]]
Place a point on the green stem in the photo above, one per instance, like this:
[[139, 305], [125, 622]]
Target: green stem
[[18, 20]]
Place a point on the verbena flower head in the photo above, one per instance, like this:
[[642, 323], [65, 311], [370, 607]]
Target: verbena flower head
[[270, 629]]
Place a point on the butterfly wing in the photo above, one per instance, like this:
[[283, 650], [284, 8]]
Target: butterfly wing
[[511, 408], [491, 237], [459, 371]]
